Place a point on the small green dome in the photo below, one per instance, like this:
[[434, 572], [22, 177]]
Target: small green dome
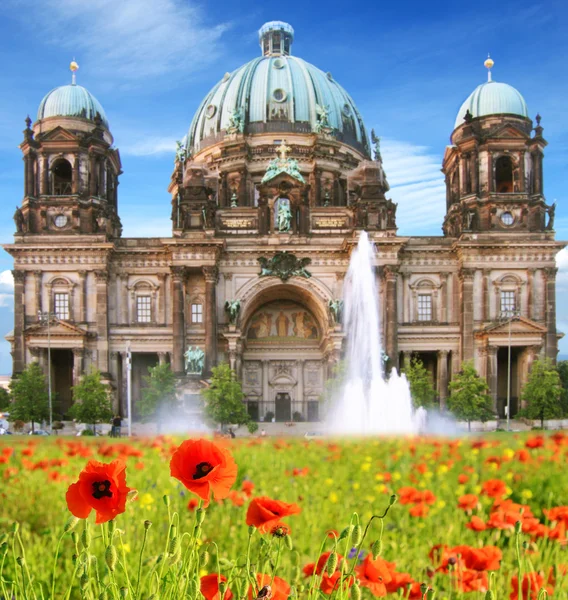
[[71, 101], [277, 93], [493, 98]]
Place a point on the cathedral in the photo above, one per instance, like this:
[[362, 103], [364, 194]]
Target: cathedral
[[272, 185]]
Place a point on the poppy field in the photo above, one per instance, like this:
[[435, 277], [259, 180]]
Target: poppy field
[[167, 518]]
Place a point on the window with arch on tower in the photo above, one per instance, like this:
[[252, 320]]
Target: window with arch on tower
[[504, 175], [61, 177]]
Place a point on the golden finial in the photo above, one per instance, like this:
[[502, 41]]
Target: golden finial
[[489, 62], [73, 67]]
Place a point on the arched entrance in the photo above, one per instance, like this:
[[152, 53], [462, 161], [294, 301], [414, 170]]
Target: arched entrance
[[284, 358]]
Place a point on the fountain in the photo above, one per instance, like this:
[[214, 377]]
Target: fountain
[[368, 403]]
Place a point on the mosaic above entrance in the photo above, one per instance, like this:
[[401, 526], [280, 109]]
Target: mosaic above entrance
[[282, 322]]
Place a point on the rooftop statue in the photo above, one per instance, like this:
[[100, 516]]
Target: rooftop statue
[[181, 152], [194, 360], [236, 121], [376, 145], [336, 308], [232, 308], [323, 118]]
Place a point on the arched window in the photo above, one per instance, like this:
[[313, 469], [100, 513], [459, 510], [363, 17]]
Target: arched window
[[504, 175], [62, 177]]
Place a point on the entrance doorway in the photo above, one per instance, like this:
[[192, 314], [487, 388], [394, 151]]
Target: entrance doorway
[[503, 377], [283, 407], [62, 372]]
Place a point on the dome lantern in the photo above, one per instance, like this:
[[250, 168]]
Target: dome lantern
[[276, 38]]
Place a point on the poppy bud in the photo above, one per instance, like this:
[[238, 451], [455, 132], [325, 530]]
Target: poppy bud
[[132, 496], [74, 558], [331, 563], [174, 546], [393, 499], [15, 527], [356, 535], [124, 592], [226, 563], [75, 538], [3, 548], [204, 558], [430, 594], [296, 573], [111, 528], [71, 524], [86, 538], [111, 557], [423, 588], [376, 548], [526, 545], [489, 595], [199, 516], [166, 500], [452, 561], [20, 560], [3, 538], [518, 527], [344, 533], [175, 558], [222, 588], [355, 592], [288, 542], [252, 529], [147, 525], [84, 581]]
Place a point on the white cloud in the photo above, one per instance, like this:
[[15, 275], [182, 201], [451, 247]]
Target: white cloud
[[417, 185], [150, 146], [7, 279], [126, 39], [562, 265]]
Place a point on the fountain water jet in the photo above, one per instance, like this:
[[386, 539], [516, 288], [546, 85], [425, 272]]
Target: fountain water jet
[[369, 403]]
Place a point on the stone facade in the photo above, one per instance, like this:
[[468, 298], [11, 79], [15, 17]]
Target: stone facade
[[441, 298]]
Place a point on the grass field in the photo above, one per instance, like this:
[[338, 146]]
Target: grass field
[[472, 517]]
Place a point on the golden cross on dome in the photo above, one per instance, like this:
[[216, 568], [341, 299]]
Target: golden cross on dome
[[283, 150]]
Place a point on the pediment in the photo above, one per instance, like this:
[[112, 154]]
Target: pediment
[[59, 135], [520, 325], [279, 178], [56, 329], [507, 132]]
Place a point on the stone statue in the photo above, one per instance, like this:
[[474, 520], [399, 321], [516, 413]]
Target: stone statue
[[209, 211], [284, 217], [336, 308], [232, 308], [194, 360], [376, 145], [551, 211], [323, 118], [284, 265], [19, 220], [181, 152], [236, 122]]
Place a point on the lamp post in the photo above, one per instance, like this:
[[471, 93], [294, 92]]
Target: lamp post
[[508, 316], [45, 319], [129, 387]]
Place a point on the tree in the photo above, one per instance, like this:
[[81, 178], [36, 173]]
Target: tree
[[30, 400], [4, 399], [91, 400], [420, 380], [469, 396], [542, 392], [562, 367], [159, 398], [224, 399]]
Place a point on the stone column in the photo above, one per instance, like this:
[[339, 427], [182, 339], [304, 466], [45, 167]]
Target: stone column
[[490, 184], [92, 174], [75, 185], [550, 313], [210, 274], [28, 175], [18, 349], [443, 377], [391, 329], [444, 298], [475, 173], [265, 364], [491, 369], [233, 359], [405, 297], [300, 398], [449, 297], [101, 278], [485, 296], [530, 293], [162, 358], [77, 364], [178, 320], [38, 304], [161, 316], [123, 385], [82, 303], [466, 277], [122, 291], [44, 189], [407, 357]]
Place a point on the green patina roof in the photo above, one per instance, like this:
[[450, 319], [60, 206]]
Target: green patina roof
[[493, 98], [71, 101]]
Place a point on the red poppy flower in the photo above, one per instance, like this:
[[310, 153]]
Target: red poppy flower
[[532, 583], [204, 468], [102, 488], [210, 587], [279, 588], [247, 487], [374, 574], [419, 510], [264, 512], [463, 478], [467, 502], [495, 488], [470, 581]]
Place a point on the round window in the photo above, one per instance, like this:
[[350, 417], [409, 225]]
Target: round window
[[60, 220], [507, 218], [279, 95], [210, 111], [278, 63]]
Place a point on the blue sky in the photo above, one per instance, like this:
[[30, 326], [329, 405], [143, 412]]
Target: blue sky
[[408, 65]]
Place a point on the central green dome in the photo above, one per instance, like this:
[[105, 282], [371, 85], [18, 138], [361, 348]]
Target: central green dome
[[277, 93], [71, 101]]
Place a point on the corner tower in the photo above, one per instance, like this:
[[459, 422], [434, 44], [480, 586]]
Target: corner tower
[[493, 169], [70, 167]]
